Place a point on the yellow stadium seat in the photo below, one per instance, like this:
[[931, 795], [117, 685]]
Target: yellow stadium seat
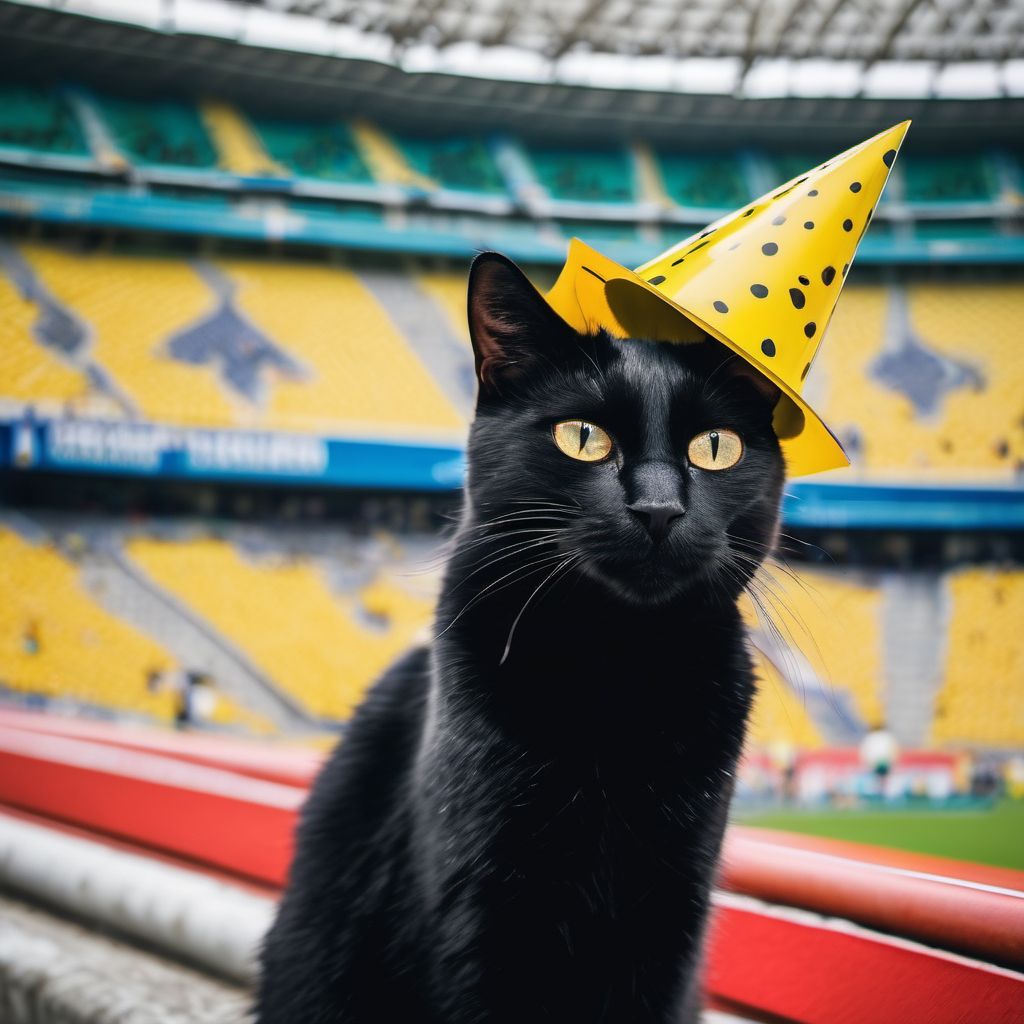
[[55, 640], [836, 625], [133, 305], [981, 702], [309, 640], [361, 375], [28, 371]]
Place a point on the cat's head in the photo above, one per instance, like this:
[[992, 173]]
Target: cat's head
[[655, 462]]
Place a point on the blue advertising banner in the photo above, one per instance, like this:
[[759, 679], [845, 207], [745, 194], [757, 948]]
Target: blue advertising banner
[[273, 458], [156, 450]]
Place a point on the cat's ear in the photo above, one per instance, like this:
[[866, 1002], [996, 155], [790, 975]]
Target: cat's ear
[[739, 369], [510, 324]]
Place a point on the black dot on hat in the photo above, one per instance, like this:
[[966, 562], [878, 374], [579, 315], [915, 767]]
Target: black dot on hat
[[769, 248], [846, 267], [828, 275], [854, 186], [656, 280], [809, 224], [721, 306], [813, 192], [778, 220], [675, 263], [798, 297], [803, 372], [847, 224], [888, 157], [708, 232], [758, 291], [768, 347], [699, 245], [804, 280], [747, 213], [810, 328]]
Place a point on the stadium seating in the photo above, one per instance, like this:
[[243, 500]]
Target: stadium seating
[[982, 701], [460, 163], [703, 179], [594, 176], [938, 368], [322, 150], [242, 343], [448, 290], [321, 647], [39, 119], [56, 641], [948, 179], [238, 146], [779, 715], [133, 304], [357, 371], [158, 132], [836, 625], [30, 372]]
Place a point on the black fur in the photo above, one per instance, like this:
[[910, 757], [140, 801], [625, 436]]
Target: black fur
[[523, 822]]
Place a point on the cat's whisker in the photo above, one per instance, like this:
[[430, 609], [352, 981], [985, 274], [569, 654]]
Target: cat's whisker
[[558, 568], [527, 570]]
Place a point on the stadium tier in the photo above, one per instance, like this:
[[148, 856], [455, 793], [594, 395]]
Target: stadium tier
[[239, 343], [171, 162], [982, 700], [323, 649], [317, 617], [58, 642], [346, 350]]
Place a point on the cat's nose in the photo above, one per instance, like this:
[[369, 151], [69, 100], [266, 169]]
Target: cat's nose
[[657, 517]]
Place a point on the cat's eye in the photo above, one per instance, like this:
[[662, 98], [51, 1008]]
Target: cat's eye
[[582, 440], [715, 449]]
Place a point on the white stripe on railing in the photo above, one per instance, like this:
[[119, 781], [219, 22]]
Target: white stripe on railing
[[206, 921]]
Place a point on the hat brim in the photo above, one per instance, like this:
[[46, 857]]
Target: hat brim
[[594, 292]]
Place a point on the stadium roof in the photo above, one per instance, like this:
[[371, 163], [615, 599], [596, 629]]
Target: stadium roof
[[575, 67]]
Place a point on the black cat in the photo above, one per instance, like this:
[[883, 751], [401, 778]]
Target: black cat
[[524, 820]]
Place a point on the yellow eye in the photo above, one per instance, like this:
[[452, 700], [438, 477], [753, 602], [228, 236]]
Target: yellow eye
[[715, 449], [581, 440]]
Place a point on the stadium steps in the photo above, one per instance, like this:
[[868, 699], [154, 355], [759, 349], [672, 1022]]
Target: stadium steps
[[831, 710], [429, 333], [127, 592], [54, 971], [914, 626]]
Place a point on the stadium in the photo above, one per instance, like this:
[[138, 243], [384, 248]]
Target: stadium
[[235, 385]]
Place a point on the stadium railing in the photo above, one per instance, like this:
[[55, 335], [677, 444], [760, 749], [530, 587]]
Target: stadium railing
[[807, 931]]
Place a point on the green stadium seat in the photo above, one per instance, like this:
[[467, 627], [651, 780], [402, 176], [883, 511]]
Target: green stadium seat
[[707, 180], [323, 150], [39, 119], [582, 175], [461, 163], [158, 132], [948, 179]]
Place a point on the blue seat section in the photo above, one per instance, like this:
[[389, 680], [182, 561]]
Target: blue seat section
[[463, 163], [323, 150], [707, 180], [40, 119], [158, 132], [584, 175]]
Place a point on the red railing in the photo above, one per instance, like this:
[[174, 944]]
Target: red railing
[[808, 930]]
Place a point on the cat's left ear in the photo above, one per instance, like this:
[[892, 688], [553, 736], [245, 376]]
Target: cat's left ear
[[510, 324]]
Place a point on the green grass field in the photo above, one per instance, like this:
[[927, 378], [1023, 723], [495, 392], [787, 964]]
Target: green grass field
[[991, 836]]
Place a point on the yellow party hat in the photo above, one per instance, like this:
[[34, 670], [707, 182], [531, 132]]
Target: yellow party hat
[[763, 281]]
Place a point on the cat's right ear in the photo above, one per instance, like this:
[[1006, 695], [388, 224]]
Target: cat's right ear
[[510, 324]]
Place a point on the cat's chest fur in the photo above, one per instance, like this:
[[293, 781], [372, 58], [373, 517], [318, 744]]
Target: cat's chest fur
[[600, 776]]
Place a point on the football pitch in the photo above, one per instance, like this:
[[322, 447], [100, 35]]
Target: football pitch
[[992, 835]]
